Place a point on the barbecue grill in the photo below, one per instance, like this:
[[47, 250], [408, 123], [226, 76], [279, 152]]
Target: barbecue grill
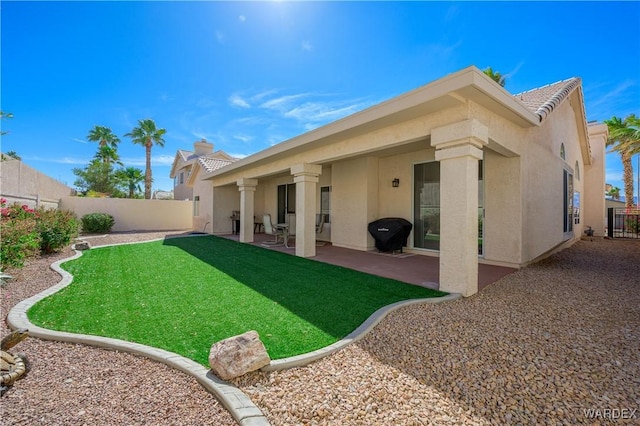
[[390, 233]]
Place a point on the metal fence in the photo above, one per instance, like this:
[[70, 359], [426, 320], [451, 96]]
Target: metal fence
[[623, 222]]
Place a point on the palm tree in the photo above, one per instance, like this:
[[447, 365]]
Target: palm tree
[[4, 115], [147, 134], [624, 138], [131, 178], [108, 154], [495, 76], [614, 193], [104, 136]]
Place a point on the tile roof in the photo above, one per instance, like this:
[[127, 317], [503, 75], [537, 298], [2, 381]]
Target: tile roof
[[543, 100], [187, 155], [211, 164]]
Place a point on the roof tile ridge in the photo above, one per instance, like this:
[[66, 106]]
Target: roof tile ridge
[[556, 99]]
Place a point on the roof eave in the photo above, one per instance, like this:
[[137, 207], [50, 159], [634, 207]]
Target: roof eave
[[468, 82]]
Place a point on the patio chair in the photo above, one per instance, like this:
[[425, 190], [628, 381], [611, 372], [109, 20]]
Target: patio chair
[[319, 223], [319, 228], [271, 230]]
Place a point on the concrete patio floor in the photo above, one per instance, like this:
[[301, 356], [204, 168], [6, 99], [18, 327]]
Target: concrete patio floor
[[406, 267]]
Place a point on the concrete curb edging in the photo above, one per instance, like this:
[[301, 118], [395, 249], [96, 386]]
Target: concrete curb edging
[[239, 405], [354, 336]]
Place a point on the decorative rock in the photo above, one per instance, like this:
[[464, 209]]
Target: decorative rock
[[238, 355], [82, 245]]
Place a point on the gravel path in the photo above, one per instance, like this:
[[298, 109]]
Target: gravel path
[[541, 346]]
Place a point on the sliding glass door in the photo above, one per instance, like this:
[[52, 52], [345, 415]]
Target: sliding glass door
[[426, 206]]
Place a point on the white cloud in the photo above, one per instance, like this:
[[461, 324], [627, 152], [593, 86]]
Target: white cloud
[[602, 102], [513, 72], [282, 103], [243, 138], [307, 46], [79, 140], [613, 176], [237, 101], [236, 155], [242, 18], [62, 160], [156, 160], [322, 112], [220, 36]]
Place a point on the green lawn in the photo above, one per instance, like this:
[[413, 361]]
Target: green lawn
[[183, 294]]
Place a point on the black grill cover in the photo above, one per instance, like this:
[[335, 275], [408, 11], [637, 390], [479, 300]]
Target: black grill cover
[[390, 233]]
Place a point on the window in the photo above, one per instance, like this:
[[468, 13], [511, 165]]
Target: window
[[181, 178], [567, 182], [576, 208], [577, 170], [563, 154], [325, 203], [196, 205], [286, 200]]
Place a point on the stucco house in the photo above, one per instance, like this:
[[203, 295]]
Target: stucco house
[[185, 171], [483, 176], [185, 162]]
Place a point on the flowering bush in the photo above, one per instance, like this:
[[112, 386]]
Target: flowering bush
[[57, 228], [20, 239], [27, 232]]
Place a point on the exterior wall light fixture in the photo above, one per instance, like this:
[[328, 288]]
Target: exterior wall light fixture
[[395, 182]]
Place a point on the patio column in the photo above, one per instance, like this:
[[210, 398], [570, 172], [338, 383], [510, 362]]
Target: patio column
[[247, 188], [306, 177], [458, 149]]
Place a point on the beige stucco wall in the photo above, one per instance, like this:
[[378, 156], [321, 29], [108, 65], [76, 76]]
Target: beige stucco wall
[[542, 172], [25, 185], [354, 202], [182, 191], [594, 180], [226, 199], [523, 179], [202, 222], [135, 214]]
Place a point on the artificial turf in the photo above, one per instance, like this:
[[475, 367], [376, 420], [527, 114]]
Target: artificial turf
[[184, 294]]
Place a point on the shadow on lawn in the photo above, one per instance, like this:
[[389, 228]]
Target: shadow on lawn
[[332, 298]]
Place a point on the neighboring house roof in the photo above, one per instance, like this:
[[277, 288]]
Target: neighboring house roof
[[185, 158]]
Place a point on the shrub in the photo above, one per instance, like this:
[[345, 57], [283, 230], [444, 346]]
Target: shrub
[[97, 223], [633, 224], [20, 237], [57, 228]]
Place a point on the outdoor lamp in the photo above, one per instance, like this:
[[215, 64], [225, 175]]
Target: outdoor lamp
[[395, 182]]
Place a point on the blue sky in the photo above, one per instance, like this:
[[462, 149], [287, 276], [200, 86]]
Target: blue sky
[[247, 75]]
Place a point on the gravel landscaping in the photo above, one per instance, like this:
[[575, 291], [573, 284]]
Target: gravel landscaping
[[544, 345]]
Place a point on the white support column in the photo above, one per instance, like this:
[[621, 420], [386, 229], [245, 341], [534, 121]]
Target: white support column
[[306, 177], [247, 188], [458, 149]]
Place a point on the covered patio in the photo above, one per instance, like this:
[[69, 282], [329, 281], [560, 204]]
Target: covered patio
[[406, 267]]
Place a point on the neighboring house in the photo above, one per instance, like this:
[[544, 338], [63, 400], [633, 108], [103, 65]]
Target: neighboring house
[[483, 176], [185, 171], [23, 184]]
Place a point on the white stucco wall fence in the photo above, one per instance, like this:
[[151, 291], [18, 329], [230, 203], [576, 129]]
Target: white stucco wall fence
[[135, 214]]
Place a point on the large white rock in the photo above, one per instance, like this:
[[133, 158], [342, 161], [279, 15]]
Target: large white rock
[[238, 355]]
